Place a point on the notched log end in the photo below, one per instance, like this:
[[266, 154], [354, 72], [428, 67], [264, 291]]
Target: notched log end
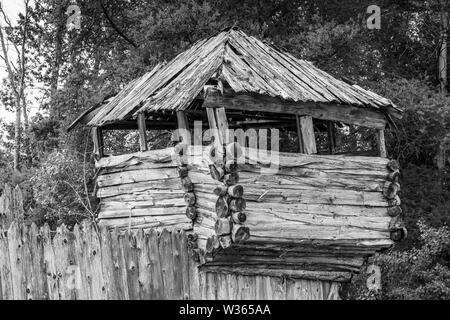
[[392, 190], [240, 234], [393, 165], [394, 211], [191, 213], [398, 234]]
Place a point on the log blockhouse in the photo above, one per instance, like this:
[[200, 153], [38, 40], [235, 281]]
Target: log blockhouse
[[249, 209]]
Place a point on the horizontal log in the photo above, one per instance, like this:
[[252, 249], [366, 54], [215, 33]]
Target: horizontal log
[[362, 246], [313, 179], [151, 156], [265, 158], [263, 220], [344, 248], [156, 186], [137, 165], [126, 177], [112, 213], [299, 234], [149, 195], [131, 205], [149, 222], [279, 272], [318, 210], [315, 196], [295, 264]]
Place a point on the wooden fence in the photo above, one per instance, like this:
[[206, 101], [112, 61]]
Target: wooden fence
[[89, 264], [11, 206]]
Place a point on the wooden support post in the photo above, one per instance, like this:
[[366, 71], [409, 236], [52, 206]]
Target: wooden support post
[[381, 144], [222, 125], [301, 148], [331, 137], [183, 126], [142, 132], [213, 125], [306, 138], [97, 137]]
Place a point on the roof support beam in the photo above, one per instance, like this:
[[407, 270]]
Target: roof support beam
[[183, 127], [142, 132], [381, 143], [97, 138], [306, 138], [360, 116], [331, 128]]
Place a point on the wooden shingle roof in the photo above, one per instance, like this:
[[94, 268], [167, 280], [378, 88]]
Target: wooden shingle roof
[[247, 65]]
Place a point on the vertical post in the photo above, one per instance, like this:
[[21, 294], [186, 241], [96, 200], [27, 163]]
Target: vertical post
[[213, 125], [331, 137], [301, 148], [142, 132], [183, 127], [381, 143], [222, 125], [97, 138], [306, 138]]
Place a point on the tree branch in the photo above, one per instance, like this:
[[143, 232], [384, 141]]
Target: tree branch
[[120, 32]]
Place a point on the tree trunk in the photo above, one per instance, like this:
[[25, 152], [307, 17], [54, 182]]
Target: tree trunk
[[442, 67], [60, 21]]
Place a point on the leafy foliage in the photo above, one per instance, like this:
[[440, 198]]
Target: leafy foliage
[[59, 189], [417, 273]]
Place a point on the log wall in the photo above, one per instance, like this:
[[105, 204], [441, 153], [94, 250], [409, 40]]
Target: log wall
[[141, 190], [320, 216], [87, 263]]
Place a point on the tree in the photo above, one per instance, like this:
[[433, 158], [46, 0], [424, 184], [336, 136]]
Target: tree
[[16, 76]]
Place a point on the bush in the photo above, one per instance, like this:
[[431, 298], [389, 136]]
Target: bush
[[421, 273], [59, 190]]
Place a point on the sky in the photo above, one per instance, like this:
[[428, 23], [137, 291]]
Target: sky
[[12, 9]]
